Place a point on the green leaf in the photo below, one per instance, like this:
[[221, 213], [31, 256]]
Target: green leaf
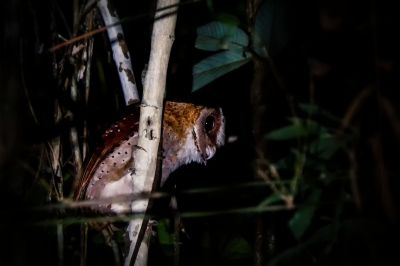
[[271, 31], [297, 130], [313, 109], [217, 36], [164, 236], [228, 19], [216, 66], [325, 146], [302, 218]]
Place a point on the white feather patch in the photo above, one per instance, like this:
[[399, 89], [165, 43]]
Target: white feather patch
[[122, 186], [189, 153]]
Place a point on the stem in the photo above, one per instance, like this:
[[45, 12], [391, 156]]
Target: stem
[[150, 124]]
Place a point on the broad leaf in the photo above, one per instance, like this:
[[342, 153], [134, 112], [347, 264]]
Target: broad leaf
[[217, 65], [217, 36]]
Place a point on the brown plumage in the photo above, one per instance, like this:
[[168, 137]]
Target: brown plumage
[[191, 133]]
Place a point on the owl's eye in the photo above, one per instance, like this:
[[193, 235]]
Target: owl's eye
[[209, 124]]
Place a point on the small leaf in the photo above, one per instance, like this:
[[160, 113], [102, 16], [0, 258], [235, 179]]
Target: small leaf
[[302, 218], [217, 36], [216, 66]]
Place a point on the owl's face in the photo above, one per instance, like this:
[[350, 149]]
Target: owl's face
[[191, 133]]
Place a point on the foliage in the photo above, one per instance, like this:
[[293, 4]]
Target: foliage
[[310, 164], [328, 175], [268, 39], [217, 36]]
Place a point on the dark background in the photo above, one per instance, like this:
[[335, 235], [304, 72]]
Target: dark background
[[345, 46]]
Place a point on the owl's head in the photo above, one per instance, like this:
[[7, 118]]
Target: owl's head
[[191, 133]]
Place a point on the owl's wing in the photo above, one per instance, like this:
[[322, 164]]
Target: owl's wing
[[113, 137]]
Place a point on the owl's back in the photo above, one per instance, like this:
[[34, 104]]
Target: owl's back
[[112, 158]]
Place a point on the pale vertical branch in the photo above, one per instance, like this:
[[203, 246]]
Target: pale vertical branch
[[120, 51], [150, 123]]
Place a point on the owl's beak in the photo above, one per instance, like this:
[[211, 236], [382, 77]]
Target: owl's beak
[[210, 151]]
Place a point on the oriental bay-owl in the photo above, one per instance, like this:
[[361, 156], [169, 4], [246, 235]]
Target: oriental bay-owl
[[191, 133]]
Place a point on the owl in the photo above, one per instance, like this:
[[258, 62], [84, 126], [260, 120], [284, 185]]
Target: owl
[[191, 133]]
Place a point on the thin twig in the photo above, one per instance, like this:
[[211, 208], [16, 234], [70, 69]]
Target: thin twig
[[123, 20], [69, 204], [187, 215], [391, 114], [382, 179], [353, 109], [353, 174], [78, 38]]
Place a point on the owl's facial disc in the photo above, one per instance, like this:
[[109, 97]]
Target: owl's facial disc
[[208, 133]]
